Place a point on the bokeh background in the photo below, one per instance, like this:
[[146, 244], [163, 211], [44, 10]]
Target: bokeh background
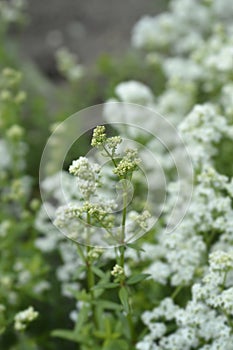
[[89, 28], [98, 35]]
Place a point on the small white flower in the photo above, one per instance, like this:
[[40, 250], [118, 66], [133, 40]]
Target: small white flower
[[117, 271], [23, 318]]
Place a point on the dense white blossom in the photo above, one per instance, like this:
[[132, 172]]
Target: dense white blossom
[[87, 174], [203, 318], [202, 130], [134, 92]]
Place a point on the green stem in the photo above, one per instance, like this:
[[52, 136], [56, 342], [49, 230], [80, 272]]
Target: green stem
[[90, 276], [81, 254], [124, 216], [122, 262], [110, 156], [122, 256], [122, 247], [123, 222], [176, 291]]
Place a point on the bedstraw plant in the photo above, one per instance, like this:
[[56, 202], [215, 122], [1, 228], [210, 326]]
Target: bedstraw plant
[[106, 318]]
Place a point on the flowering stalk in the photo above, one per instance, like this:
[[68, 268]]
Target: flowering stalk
[[123, 169], [93, 212]]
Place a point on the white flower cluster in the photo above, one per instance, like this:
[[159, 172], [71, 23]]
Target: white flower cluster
[[184, 27], [117, 271], [198, 99], [68, 65], [110, 145], [134, 92], [12, 147], [95, 253], [51, 239], [87, 174], [198, 37], [71, 218], [128, 163], [208, 221], [23, 318], [205, 322], [202, 130]]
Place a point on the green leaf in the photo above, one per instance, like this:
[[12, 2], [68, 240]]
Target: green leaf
[[135, 247], [124, 298], [108, 305], [98, 272], [108, 327], [82, 318], [98, 292], [80, 295], [100, 334], [106, 285], [137, 278], [116, 345], [66, 334]]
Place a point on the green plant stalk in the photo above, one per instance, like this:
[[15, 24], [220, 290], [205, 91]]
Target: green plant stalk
[[110, 156], [81, 254], [121, 249], [176, 291], [90, 278], [122, 262], [124, 214]]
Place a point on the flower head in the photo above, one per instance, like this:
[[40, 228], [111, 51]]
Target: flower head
[[99, 136], [23, 318], [128, 163]]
